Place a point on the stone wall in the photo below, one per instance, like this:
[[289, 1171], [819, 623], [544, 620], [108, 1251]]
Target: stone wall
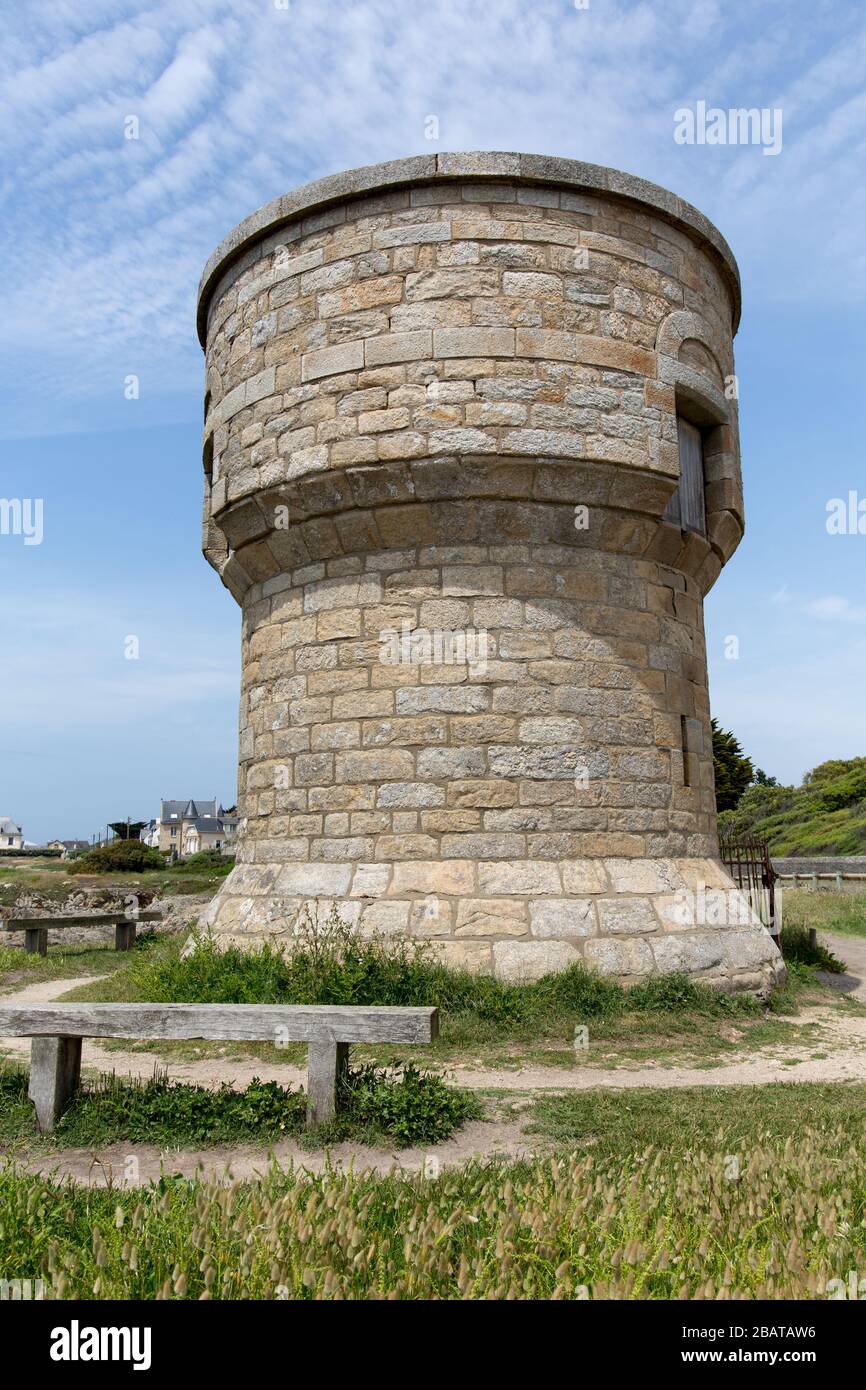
[[440, 436]]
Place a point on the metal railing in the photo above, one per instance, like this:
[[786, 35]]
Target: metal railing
[[747, 860]]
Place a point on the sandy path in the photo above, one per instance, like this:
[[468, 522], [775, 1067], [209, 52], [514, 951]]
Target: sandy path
[[836, 1053]]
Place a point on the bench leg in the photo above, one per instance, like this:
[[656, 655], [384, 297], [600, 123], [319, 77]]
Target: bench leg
[[124, 936], [327, 1062], [55, 1072], [36, 941]]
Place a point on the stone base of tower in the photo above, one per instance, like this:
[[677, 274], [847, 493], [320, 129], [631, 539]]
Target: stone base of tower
[[518, 920]]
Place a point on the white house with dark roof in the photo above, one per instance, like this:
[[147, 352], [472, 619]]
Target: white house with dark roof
[[185, 827], [11, 836]]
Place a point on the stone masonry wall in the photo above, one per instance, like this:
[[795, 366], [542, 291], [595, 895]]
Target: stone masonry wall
[[440, 436]]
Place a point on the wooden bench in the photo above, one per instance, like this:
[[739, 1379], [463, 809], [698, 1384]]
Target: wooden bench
[[57, 1031], [36, 929]]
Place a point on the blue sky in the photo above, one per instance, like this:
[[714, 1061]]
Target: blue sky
[[103, 240]]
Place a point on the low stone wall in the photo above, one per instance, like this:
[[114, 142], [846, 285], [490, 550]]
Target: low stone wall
[[822, 864]]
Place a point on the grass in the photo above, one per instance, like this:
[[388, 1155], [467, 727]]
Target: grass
[[62, 962], [683, 1195], [352, 970], [483, 1021], [51, 880], [825, 909], [613, 1121], [798, 947], [402, 1107]]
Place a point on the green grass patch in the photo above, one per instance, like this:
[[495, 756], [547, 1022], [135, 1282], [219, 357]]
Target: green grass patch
[[62, 962], [663, 1195], [404, 1106], [340, 968], [825, 909], [798, 947], [613, 1121]]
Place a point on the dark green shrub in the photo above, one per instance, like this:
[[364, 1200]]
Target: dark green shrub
[[404, 1105], [408, 1105], [212, 859], [796, 946], [121, 856]]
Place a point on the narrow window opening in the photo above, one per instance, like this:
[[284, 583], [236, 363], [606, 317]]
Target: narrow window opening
[[684, 741], [687, 506], [207, 458]]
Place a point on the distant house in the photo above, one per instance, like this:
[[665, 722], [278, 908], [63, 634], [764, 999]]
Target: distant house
[[185, 827], [68, 847], [149, 834], [11, 836], [204, 832]]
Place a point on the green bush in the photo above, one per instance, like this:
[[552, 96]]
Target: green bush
[[402, 1105], [408, 1105], [330, 964], [212, 859], [796, 946], [121, 856]]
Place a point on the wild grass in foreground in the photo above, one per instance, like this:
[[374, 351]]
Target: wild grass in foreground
[[402, 1106], [708, 1215]]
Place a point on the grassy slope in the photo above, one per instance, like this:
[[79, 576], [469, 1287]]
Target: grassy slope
[[826, 815]]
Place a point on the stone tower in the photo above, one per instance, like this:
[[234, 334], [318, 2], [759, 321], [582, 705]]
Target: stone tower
[[471, 464]]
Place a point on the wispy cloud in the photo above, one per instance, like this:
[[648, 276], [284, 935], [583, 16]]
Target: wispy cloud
[[836, 608], [237, 100]]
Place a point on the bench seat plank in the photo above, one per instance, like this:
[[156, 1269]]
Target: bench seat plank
[[223, 1022], [79, 919], [58, 1029]]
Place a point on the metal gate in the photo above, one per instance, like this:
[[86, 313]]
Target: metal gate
[[747, 860]]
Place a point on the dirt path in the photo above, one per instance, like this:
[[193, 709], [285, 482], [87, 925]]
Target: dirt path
[[852, 951], [836, 1053]]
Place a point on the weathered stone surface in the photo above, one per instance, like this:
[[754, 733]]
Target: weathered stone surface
[[562, 918], [625, 959], [491, 917], [522, 961], [440, 441], [626, 917]]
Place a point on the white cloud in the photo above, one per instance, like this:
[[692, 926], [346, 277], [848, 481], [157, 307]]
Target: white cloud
[[238, 101], [835, 608]]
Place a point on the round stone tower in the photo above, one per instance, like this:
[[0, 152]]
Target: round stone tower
[[471, 464]]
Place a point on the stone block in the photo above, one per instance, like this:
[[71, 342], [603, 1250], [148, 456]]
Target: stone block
[[520, 962]]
